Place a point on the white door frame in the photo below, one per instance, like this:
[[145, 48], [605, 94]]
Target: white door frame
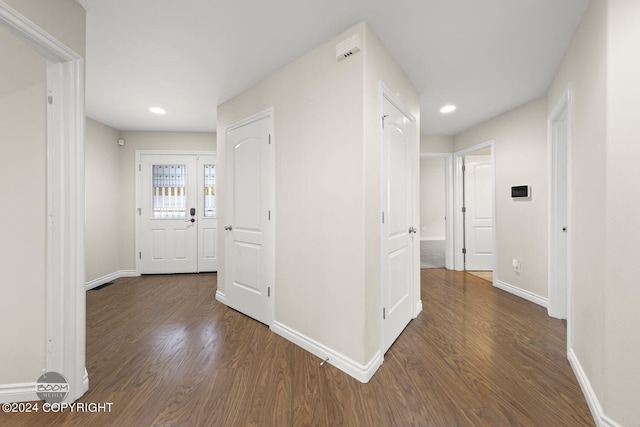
[[458, 157], [448, 189], [270, 235], [65, 288], [564, 105], [140, 153], [416, 303]]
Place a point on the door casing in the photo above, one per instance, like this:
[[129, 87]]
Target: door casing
[[416, 302], [64, 282], [270, 229], [458, 158]]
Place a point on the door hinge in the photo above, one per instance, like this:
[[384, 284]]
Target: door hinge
[[139, 211], [269, 216], [139, 255], [386, 115], [50, 99], [269, 291], [464, 209], [464, 168], [269, 139], [464, 250], [383, 217], [140, 168], [384, 313]]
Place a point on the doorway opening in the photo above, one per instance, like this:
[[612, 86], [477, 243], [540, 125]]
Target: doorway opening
[[475, 210], [436, 210]]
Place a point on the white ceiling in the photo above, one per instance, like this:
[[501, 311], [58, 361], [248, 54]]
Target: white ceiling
[[188, 56]]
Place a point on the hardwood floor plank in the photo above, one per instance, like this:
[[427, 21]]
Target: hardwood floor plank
[[164, 352]]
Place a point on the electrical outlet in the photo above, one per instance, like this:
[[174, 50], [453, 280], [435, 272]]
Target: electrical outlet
[[516, 265]]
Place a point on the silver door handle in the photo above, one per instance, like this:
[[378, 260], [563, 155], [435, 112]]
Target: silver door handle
[[228, 227], [412, 230]]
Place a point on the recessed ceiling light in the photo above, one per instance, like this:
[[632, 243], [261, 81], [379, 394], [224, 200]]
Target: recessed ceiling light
[[157, 110], [448, 109]]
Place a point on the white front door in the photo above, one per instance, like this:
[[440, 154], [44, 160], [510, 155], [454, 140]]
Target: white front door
[[207, 214], [168, 217], [398, 228], [249, 216], [478, 199]]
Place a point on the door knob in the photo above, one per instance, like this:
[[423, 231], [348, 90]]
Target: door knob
[[228, 228], [412, 230], [191, 220], [564, 229]]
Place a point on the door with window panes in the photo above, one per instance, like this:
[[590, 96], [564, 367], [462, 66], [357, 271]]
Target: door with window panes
[[177, 213]]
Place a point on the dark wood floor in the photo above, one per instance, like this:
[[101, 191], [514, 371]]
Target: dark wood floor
[[165, 353]]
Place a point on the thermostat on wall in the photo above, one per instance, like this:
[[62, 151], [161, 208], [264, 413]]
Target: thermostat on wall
[[521, 192]]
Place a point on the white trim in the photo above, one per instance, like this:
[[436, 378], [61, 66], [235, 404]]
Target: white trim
[[449, 201], [22, 392], [65, 300], [590, 395], [458, 158], [109, 278], [221, 297], [522, 293], [564, 103], [433, 239], [362, 373]]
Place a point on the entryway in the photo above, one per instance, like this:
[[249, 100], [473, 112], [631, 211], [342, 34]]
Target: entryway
[[177, 225]]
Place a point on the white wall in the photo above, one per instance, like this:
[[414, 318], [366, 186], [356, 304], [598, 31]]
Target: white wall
[[622, 294], [379, 67], [520, 137], [23, 195], [432, 199], [584, 65], [102, 201], [436, 143], [319, 249], [194, 141], [327, 182]]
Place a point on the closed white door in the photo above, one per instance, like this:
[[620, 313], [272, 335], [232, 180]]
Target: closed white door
[[168, 217], [398, 230], [207, 214], [249, 215], [478, 199]]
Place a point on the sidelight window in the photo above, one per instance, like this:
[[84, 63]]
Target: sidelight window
[[210, 191]]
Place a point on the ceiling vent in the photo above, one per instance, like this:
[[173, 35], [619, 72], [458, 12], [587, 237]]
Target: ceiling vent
[[348, 47]]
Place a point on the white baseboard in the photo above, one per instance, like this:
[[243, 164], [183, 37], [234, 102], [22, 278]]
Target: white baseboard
[[362, 373], [418, 309], [22, 392], [592, 400], [432, 239], [522, 293], [109, 278], [221, 297]]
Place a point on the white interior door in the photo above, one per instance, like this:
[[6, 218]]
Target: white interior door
[[248, 229], [168, 218], [559, 218], [398, 231], [207, 214], [478, 200]]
